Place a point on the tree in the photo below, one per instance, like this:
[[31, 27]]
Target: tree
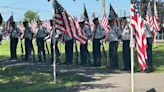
[[30, 15], [160, 8]]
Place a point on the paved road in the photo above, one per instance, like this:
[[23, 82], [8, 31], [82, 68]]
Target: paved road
[[98, 79]]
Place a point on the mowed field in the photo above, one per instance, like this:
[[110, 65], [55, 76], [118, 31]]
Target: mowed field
[[158, 54]]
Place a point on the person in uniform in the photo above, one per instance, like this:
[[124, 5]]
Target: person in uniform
[[83, 47], [126, 43], [55, 35], [97, 35], [41, 33], [149, 33], [28, 35], [68, 49], [114, 34], [15, 33]]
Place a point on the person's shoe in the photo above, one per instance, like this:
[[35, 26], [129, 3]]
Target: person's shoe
[[65, 63], [11, 59], [148, 71], [125, 69], [39, 61]]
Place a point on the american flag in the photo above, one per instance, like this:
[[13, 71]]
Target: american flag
[[47, 25], [33, 25], [149, 17], [104, 23], [117, 20], [156, 25], [141, 43], [85, 16], [7, 27], [76, 21], [92, 17], [65, 23], [22, 29]]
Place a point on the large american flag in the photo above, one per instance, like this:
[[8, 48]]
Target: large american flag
[[7, 27], [92, 18], [65, 23], [86, 19], [117, 20], [141, 43], [156, 25]]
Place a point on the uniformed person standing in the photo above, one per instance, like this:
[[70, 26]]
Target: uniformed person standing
[[126, 43], [114, 35], [15, 33], [28, 35], [97, 35], [41, 33], [149, 33], [55, 35], [83, 47], [68, 49]]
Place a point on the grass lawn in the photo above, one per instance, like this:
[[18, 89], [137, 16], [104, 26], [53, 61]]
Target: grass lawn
[[14, 79], [158, 54]]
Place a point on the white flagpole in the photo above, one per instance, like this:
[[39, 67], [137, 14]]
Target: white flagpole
[[54, 63], [132, 45]]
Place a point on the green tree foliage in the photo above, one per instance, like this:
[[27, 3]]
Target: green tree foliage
[[29, 15]]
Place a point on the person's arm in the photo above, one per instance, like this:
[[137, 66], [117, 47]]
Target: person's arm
[[150, 29], [19, 31], [119, 33], [103, 32]]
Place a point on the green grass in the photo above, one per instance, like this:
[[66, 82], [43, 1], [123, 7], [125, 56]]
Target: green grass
[[158, 55], [14, 79]]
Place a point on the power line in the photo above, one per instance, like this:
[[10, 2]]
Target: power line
[[23, 8], [16, 3]]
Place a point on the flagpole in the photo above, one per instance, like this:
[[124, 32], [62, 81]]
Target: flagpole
[[132, 45], [54, 63]]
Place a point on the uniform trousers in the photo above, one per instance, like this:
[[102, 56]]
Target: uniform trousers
[[69, 51], [28, 48], [149, 53], [126, 54], [13, 48], [56, 51], [96, 52], [83, 53], [113, 54], [40, 44]]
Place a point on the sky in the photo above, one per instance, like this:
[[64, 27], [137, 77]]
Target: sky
[[19, 7]]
